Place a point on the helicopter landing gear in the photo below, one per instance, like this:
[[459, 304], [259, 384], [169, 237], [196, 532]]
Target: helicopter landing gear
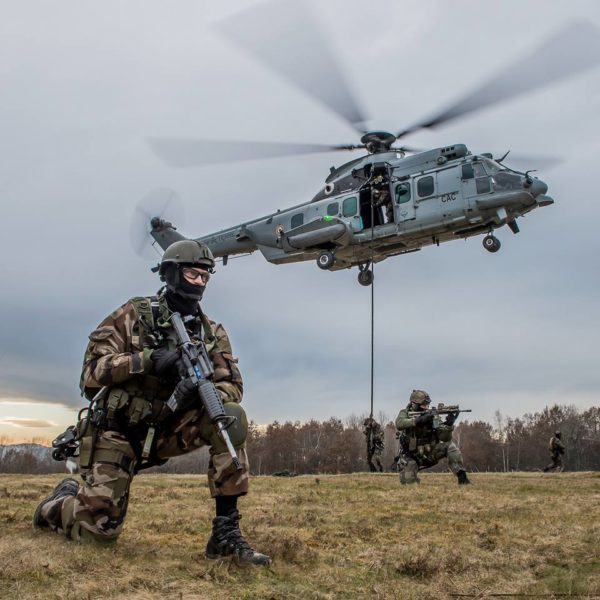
[[491, 243], [365, 275], [325, 260]]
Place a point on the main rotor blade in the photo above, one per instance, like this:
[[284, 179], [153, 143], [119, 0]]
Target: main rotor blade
[[286, 38], [572, 50], [182, 152], [531, 161]]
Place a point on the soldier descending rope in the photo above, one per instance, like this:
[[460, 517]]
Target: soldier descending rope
[[375, 444]]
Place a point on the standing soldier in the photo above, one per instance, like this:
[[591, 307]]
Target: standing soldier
[[132, 367], [423, 442], [557, 449], [374, 434]]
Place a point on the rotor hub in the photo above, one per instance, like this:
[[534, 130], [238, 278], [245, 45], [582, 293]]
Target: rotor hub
[[378, 141]]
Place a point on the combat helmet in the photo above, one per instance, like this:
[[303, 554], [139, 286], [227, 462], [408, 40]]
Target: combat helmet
[[185, 253], [419, 397]]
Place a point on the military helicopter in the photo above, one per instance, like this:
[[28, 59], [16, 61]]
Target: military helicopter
[[395, 199]]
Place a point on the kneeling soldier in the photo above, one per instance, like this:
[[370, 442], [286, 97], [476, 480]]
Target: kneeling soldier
[[132, 368], [424, 442]]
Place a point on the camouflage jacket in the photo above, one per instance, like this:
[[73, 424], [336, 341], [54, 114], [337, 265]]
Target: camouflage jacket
[[556, 446], [374, 434], [120, 351], [413, 437]]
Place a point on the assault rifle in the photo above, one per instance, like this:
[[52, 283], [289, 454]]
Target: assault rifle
[[438, 412], [199, 369]]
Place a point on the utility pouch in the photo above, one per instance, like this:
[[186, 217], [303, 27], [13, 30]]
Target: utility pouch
[[116, 400], [139, 409], [412, 444], [444, 433], [85, 433]]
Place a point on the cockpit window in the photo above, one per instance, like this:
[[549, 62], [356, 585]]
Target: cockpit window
[[479, 170], [297, 220], [333, 209], [482, 181], [506, 180], [467, 171]]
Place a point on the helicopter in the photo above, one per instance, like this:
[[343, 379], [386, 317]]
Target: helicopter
[[395, 199]]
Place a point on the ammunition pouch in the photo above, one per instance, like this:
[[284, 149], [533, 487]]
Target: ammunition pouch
[[139, 401]]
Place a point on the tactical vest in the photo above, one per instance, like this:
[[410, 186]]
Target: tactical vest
[[142, 398]]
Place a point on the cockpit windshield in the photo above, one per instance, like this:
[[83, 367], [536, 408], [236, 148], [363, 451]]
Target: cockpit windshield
[[502, 178]]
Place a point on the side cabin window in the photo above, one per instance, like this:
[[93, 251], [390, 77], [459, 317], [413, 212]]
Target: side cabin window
[[297, 220], [350, 206], [425, 186], [333, 209], [402, 192]]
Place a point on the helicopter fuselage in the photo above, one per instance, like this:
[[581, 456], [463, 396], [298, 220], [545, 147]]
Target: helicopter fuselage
[[385, 204]]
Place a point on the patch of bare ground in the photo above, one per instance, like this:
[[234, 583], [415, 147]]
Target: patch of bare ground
[[336, 536]]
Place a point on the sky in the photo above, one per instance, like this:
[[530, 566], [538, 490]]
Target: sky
[[85, 85]]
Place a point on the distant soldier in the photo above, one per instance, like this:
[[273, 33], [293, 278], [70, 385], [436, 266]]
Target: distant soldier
[[557, 449], [146, 409], [424, 441], [375, 444]]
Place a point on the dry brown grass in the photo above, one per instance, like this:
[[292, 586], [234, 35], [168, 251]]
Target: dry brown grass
[[345, 536]]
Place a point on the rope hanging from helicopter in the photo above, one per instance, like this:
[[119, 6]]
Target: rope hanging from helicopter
[[372, 303]]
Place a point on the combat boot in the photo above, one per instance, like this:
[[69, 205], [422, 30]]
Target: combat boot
[[227, 540], [462, 477], [48, 512]]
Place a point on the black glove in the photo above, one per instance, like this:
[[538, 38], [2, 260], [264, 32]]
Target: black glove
[[450, 418], [165, 362], [424, 419], [185, 392]]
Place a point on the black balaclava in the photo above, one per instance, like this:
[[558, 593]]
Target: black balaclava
[[182, 296]]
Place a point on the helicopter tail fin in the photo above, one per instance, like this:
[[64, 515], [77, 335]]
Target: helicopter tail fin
[[164, 233]]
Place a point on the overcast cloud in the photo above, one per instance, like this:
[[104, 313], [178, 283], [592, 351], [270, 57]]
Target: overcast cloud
[[85, 84]]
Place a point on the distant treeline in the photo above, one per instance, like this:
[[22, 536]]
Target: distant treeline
[[334, 446]]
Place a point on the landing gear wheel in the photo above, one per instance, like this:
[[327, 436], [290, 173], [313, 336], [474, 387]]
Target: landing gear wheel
[[325, 260], [491, 243], [365, 277]]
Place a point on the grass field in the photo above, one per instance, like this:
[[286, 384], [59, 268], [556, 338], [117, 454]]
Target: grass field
[[331, 536]]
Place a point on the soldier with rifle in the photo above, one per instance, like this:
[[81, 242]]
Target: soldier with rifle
[[557, 449], [162, 381], [375, 443], [424, 438]]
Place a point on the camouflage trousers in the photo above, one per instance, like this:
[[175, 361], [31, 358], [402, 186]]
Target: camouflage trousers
[[556, 464], [374, 460], [98, 511], [409, 464]]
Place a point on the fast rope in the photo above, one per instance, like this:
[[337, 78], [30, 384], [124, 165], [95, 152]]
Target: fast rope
[[372, 304]]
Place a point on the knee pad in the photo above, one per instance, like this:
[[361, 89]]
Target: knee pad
[[238, 430]]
